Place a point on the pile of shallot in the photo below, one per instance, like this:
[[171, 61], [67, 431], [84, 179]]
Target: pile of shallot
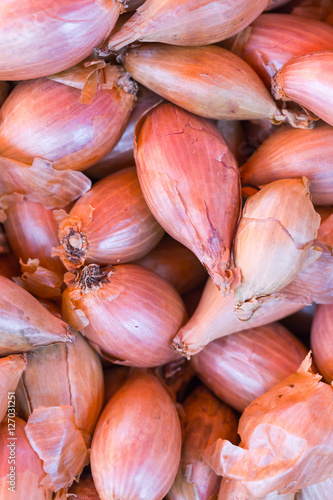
[[166, 250]]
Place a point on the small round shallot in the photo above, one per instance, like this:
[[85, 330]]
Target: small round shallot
[[322, 340], [136, 447], [127, 313], [111, 224]]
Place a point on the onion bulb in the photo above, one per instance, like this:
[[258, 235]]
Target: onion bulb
[[275, 39], [53, 35], [110, 224], [286, 438], [190, 181], [11, 369], [136, 447], [94, 102], [127, 313], [322, 340], [308, 81]]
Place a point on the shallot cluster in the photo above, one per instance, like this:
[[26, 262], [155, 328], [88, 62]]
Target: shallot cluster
[[166, 250]]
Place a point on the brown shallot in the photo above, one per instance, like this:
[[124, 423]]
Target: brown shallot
[[176, 264], [11, 369], [136, 447], [190, 181], [274, 241], [241, 367], [291, 153], [94, 102], [215, 318], [32, 233], [208, 81], [129, 303], [205, 419], [27, 476]]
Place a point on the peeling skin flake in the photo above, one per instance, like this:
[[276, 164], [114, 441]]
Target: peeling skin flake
[[286, 437]]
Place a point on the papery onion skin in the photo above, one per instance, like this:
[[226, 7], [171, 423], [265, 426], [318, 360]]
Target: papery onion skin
[[39, 281], [208, 81], [53, 36], [322, 340], [286, 437], [54, 188], [176, 264], [241, 367], [71, 135], [308, 81], [4, 91], [129, 303], [136, 447], [78, 368], [291, 153], [315, 9], [234, 135], [205, 419], [215, 318], [111, 224], [187, 22], [11, 369], [257, 131], [24, 323], [122, 155], [278, 224], [189, 179], [4, 248], [319, 491], [232, 489], [275, 39], [28, 472], [32, 233]]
